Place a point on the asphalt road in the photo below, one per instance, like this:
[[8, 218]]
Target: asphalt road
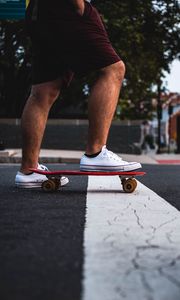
[[41, 235], [165, 181]]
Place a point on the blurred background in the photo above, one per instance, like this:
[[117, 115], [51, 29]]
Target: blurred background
[[146, 36]]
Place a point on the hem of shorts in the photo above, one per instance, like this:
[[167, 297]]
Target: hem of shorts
[[35, 82], [100, 66], [78, 72]]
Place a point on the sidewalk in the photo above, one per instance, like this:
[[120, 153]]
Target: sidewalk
[[69, 156]]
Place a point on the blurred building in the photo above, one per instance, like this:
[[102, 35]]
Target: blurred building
[[172, 107]]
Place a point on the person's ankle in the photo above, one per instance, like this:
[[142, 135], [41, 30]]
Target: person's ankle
[[93, 155], [26, 169], [93, 150]]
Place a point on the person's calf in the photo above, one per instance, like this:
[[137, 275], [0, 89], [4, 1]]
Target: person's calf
[[33, 123], [102, 104]]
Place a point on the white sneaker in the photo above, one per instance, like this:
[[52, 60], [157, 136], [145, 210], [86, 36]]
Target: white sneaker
[[107, 161], [34, 180]]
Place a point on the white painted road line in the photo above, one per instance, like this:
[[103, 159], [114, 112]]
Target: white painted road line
[[131, 244]]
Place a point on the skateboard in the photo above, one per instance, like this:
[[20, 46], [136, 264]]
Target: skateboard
[[53, 183]]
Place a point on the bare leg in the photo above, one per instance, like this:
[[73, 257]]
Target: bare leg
[[34, 119], [102, 105]]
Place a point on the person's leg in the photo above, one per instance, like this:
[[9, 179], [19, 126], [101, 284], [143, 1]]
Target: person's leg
[[34, 119], [102, 104]]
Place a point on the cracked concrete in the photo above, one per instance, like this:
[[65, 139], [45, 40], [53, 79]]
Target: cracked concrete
[[132, 244]]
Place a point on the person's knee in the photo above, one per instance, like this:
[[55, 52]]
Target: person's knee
[[44, 94], [116, 71]]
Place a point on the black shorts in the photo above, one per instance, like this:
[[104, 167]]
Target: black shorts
[[70, 44]]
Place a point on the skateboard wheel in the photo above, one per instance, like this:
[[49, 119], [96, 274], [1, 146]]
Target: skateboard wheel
[[123, 180], [135, 182], [129, 185], [49, 186], [57, 182], [57, 185]]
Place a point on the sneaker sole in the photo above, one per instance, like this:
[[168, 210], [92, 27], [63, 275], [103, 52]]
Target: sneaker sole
[[29, 185], [96, 168]]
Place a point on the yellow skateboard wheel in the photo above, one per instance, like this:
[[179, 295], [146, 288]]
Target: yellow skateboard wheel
[[49, 186], [129, 185]]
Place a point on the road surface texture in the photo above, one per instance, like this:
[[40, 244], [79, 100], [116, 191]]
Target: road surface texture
[[90, 240]]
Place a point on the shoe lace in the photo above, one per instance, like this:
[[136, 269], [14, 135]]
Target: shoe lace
[[110, 154], [42, 167]]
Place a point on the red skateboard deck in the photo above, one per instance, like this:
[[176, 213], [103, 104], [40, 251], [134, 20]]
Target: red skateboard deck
[[52, 183], [91, 173]]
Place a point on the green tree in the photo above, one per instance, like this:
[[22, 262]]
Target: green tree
[[14, 67], [146, 35]]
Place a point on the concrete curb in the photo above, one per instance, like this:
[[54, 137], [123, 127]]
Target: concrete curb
[[64, 156], [46, 156], [53, 160], [13, 156]]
